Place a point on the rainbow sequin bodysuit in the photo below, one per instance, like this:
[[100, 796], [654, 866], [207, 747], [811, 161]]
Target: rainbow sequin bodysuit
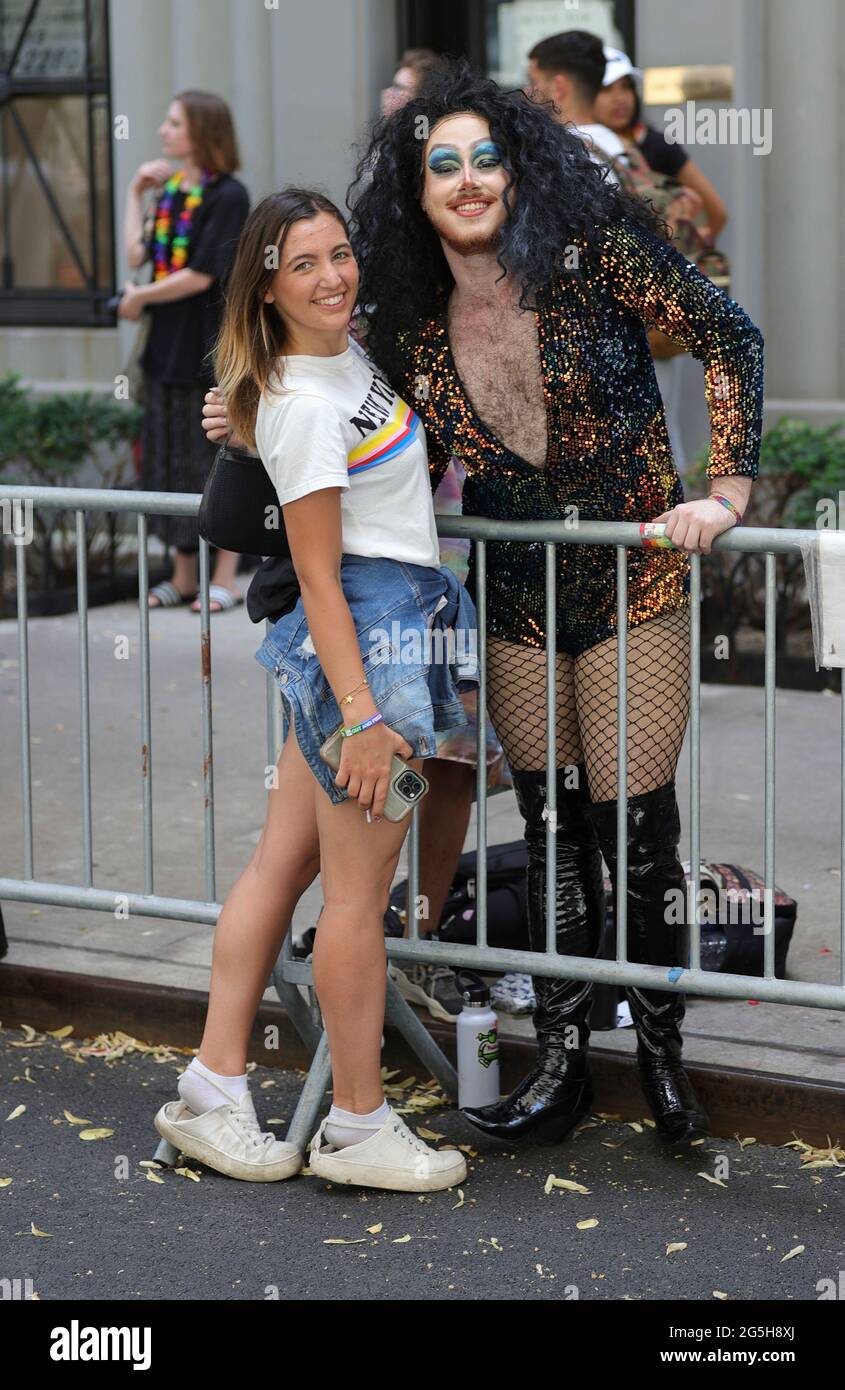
[[609, 453]]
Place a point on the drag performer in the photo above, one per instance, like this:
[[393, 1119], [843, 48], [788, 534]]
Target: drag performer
[[508, 288]]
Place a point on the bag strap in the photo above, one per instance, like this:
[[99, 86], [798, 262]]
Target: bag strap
[[632, 163], [234, 451], [608, 159]]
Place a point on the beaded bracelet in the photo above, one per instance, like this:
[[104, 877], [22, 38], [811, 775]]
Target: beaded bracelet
[[726, 502], [359, 728]]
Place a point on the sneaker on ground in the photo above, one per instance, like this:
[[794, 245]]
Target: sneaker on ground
[[432, 986], [229, 1139], [393, 1158], [513, 994]]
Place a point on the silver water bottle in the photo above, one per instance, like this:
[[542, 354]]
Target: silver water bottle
[[478, 1048]]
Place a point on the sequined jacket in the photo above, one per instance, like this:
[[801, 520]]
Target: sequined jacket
[[608, 447]]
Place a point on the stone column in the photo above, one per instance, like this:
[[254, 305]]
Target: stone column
[[805, 192]]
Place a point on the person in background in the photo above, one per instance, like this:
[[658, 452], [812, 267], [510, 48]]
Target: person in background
[[568, 70], [413, 66], [617, 106], [190, 235]]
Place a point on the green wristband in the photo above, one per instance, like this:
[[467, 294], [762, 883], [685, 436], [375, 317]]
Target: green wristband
[[359, 728]]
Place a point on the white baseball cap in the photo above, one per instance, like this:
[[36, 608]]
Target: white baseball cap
[[618, 64]]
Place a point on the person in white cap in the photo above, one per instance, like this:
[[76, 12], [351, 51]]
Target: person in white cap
[[617, 106]]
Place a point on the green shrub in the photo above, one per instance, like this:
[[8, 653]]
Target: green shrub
[[802, 467], [47, 441]]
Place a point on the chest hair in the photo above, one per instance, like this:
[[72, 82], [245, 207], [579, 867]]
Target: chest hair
[[497, 355]]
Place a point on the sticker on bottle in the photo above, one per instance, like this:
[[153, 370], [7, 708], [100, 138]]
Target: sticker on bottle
[[488, 1047]]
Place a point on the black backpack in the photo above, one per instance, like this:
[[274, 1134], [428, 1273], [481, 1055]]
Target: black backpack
[[506, 900], [729, 941]]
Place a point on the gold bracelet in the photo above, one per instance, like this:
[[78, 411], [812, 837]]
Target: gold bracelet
[[347, 699]]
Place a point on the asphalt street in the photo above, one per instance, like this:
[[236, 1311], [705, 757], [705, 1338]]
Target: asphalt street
[[89, 1218]]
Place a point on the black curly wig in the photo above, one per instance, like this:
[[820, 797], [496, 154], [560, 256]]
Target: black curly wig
[[564, 199]]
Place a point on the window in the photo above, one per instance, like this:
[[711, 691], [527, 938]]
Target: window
[[56, 225], [514, 26], [496, 34]]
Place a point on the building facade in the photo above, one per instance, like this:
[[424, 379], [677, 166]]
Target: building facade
[[84, 85]]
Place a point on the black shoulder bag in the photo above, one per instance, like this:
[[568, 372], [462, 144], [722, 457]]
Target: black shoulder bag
[[238, 502], [240, 509]]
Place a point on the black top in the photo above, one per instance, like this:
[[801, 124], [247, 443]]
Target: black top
[[183, 333], [662, 155]]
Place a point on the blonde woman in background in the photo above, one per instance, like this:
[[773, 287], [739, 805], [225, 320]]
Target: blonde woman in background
[[189, 233]]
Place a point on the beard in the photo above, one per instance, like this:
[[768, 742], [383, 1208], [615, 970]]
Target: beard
[[469, 242], [474, 244]]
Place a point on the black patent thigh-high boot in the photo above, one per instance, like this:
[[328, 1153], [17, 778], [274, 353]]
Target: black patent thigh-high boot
[[558, 1091], [658, 934]]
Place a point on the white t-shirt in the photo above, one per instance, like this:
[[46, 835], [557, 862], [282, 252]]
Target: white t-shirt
[[607, 140], [337, 423]]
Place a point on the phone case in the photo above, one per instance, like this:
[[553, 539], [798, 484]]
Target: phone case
[[396, 806]]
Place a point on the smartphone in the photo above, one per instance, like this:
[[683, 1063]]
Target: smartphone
[[405, 789]]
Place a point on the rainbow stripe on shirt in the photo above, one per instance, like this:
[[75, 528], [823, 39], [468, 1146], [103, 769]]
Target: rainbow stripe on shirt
[[386, 443]]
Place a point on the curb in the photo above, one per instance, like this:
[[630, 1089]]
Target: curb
[[773, 1108]]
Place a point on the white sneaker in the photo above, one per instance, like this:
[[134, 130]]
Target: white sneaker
[[432, 986], [393, 1158], [228, 1138]]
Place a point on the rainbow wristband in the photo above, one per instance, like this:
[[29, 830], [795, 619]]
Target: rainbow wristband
[[359, 728], [726, 502]]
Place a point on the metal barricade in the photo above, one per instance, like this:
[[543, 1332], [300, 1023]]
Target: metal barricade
[[289, 973]]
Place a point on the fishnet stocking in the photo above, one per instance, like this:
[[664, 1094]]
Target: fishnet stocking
[[516, 703], [658, 705]]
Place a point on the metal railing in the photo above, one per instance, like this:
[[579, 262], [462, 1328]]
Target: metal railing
[[623, 535], [290, 972]]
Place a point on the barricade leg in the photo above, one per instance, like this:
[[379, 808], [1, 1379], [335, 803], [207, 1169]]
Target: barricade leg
[[397, 1012], [298, 1012], [166, 1154], [311, 1096], [287, 974], [401, 1015]]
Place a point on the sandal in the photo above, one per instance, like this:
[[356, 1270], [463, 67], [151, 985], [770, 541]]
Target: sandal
[[224, 598], [168, 595]]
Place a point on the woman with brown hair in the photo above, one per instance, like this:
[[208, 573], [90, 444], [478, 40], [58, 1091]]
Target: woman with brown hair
[[618, 106], [348, 460], [190, 234]]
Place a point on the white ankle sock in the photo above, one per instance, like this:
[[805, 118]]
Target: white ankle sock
[[339, 1129], [202, 1089]]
